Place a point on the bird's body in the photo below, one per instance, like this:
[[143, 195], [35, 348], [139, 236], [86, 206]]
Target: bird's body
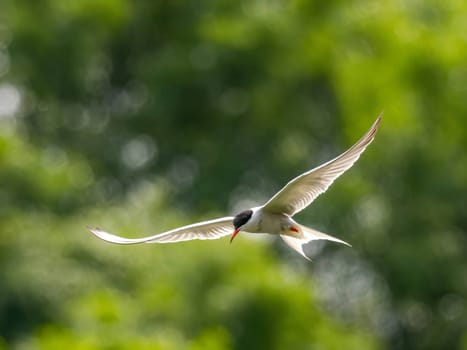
[[264, 222], [274, 217]]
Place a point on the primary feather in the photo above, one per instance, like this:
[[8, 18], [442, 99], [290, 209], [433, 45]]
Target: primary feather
[[304, 189], [211, 229]]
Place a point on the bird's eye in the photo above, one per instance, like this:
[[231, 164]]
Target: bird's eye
[[242, 218]]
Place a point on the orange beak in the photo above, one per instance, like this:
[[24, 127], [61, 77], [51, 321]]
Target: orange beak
[[236, 231]]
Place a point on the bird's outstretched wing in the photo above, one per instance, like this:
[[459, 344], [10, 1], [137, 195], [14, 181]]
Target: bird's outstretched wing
[[303, 189], [211, 229]]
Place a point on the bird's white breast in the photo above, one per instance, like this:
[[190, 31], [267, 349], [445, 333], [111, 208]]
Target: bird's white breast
[[264, 222]]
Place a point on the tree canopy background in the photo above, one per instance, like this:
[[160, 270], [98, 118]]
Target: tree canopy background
[[140, 116]]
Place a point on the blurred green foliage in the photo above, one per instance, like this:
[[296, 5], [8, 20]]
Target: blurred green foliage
[[141, 116]]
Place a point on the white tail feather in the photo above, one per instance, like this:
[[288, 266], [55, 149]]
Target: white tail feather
[[306, 235]]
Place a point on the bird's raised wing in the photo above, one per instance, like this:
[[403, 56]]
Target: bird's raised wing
[[303, 190], [212, 229]]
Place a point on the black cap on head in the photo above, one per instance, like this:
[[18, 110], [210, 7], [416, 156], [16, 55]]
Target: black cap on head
[[242, 218]]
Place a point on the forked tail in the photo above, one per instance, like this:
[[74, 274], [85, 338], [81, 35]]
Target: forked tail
[[306, 235]]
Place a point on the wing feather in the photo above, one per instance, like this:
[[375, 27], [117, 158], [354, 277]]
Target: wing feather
[[302, 190], [212, 229]]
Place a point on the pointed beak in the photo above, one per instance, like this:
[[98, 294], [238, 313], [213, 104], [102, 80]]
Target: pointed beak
[[234, 234]]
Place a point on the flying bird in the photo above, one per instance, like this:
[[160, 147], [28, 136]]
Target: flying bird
[[274, 217]]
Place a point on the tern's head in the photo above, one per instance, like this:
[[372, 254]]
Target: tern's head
[[242, 218], [239, 220]]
